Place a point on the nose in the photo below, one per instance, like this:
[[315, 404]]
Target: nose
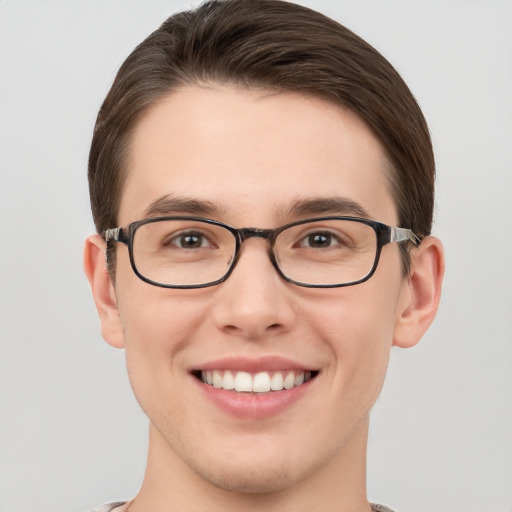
[[254, 301]]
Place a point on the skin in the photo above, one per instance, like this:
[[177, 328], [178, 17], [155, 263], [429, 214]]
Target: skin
[[251, 155]]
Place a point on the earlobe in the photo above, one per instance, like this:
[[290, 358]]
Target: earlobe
[[103, 291], [421, 293]]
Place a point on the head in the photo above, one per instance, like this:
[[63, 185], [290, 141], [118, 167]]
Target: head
[[274, 46], [258, 113]]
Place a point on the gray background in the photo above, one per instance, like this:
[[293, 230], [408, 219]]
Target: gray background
[[72, 436]]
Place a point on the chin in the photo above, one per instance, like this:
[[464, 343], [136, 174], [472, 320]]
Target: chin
[[250, 481], [258, 471]]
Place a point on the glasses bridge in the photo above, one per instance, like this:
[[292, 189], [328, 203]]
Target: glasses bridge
[[245, 233]]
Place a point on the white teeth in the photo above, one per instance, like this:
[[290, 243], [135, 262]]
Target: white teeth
[[261, 382], [217, 379], [276, 383], [243, 381], [289, 381], [228, 382]]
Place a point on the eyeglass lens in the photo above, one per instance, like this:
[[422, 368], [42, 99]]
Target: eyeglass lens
[[193, 252]]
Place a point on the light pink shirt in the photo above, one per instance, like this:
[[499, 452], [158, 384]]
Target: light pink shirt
[[121, 507]]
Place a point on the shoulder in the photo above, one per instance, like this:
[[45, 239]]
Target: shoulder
[[380, 508], [111, 507]]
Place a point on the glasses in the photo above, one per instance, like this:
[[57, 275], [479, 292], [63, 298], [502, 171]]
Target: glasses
[[191, 252]]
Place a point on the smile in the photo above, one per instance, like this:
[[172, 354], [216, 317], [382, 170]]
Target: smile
[[261, 382]]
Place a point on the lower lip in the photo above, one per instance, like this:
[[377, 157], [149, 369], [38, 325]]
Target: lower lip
[[254, 405]]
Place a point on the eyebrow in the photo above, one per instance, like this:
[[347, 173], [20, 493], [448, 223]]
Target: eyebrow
[[326, 206], [171, 205]]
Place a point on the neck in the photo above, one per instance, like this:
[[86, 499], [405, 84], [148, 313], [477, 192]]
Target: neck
[[339, 485]]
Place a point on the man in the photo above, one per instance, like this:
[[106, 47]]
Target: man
[[262, 186]]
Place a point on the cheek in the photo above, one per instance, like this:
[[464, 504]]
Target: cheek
[[360, 341], [153, 319], [356, 327], [157, 325]]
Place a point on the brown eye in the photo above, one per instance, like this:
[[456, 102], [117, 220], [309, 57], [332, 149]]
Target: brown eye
[[189, 240], [320, 240]]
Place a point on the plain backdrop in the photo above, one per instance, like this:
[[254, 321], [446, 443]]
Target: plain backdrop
[[72, 436]]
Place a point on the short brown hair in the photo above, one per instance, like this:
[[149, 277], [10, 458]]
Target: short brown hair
[[275, 45]]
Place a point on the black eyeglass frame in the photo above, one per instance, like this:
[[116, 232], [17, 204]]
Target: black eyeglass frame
[[385, 234]]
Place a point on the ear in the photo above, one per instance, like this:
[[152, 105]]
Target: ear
[[421, 293], [103, 290]]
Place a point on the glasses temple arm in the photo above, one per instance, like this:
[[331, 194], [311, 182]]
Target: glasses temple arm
[[113, 234], [403, 235]]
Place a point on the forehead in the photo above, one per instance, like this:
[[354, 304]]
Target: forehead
[[252, 154]]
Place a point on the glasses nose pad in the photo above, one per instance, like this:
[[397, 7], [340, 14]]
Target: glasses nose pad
[[273, 257], [233, 259]]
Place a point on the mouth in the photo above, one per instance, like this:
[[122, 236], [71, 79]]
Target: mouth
[[257, 383]]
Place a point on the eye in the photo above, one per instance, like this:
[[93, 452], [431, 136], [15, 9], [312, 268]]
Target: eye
[[320, 240], [189, 240]]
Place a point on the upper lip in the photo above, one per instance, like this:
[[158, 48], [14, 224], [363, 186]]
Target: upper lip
[[253, 365]]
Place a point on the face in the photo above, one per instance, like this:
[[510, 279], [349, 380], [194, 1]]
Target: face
[[245, 158]]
